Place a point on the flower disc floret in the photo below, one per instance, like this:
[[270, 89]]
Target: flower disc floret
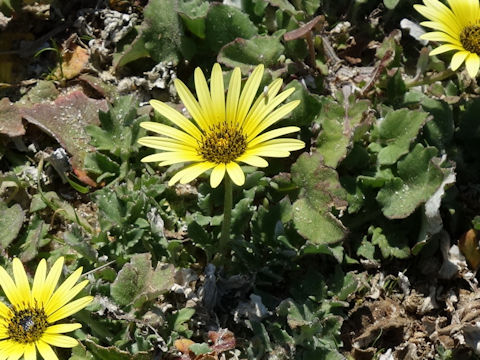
[[470, 39], [223, 143], [27, 325]]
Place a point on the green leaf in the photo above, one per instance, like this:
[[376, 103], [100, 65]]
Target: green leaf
[[65, 210], [311, 6], [162, 31], [36, 232], [284, 5], [8, 7], [101, 165], [80, 353], [418, 179], [366, 249], [160, 36], [193, 14], [134, 51], [339, 121], [319, 183], [320, 192], [438, 131], [37, 203], [112, 212], [114, 353], [317, 227], [391, 4], [397, 131], [80, 244], [309, 108], [343, 284], [138, 282], [177, 320], [224, 24], [391, 243], [246, 54], [241, 214], [200, 349], [119, 128], [11, 221]]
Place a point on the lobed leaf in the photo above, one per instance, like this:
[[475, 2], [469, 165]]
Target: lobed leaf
[[418, 179]]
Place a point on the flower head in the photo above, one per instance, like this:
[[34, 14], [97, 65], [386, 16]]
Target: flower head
[[226, 129], [27, 325], [458, 26]]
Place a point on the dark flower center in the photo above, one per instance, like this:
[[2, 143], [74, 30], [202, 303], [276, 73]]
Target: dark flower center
[[470, 38], [222, 143], [28, 325]]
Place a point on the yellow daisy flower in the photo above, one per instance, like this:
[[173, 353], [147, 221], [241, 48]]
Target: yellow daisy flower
[[226, 129], [458, 26], [28, 324]]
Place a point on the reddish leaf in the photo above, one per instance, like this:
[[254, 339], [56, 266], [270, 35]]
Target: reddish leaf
[[65, 120], [223, 340]]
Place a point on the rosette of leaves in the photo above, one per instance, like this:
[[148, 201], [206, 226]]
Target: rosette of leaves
[[115, 140]]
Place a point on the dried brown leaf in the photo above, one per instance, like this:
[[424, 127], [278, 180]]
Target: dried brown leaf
[[10, 119]]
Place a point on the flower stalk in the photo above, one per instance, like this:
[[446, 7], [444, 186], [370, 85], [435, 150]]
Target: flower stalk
[[227, 217]]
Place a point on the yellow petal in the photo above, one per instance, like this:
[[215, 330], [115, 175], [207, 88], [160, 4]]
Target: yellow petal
[[62, 328], [255, 118], [51, 281], [5, 312], [168, 158], [233, 94], [203, 96], [198, 168], [458, 59], [440, 36], [265, 99], [161, 143], [273, 118], [175, 117], [46, 351], [30, 352], [248, 94], [436, 11], [286, 143], [472, 64], [274, 152], [9, 288], [4, 333], [236, 174], [253, 160], [169, 131], [69, 309], [217, 175], [15, 350], [6, 348], [273, 134], [65, 292], [191, 104], [59, 340], [21, 280], [218, 93], [194, 171], [39, 281], [444, 48]]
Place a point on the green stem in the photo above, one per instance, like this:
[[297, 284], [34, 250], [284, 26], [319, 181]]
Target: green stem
[[430, 80], [227, 216]]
